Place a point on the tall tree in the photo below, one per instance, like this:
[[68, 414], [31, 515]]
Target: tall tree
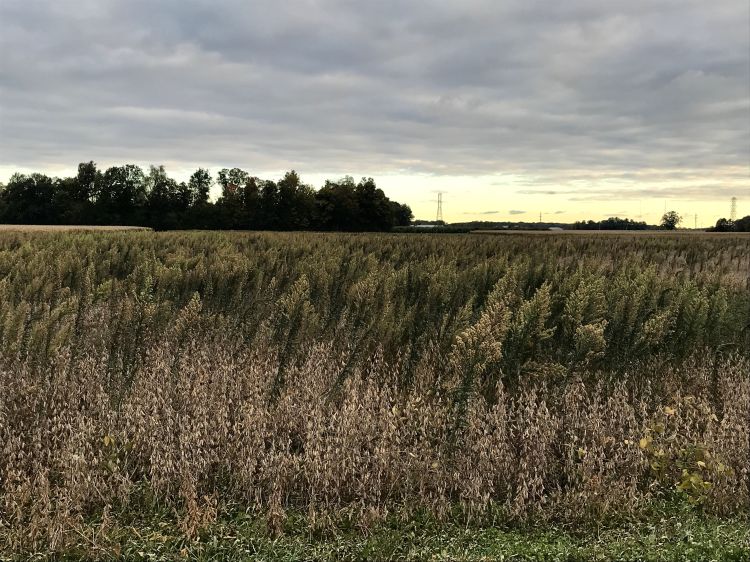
[[295, 204], [269, 204], [29, 199], [337, 207], [165, 206], [670, 220], [86, 180], [232, 180], [743, 224], [121, 197], [373, 207], [402, 215], [200, 186]]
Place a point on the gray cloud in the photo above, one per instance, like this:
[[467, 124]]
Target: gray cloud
[[643, 191], [481, 212], [537, 192], [516, 212], [477, 87]]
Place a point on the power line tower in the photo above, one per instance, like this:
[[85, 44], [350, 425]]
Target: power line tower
[[733, 210], [439, 215]]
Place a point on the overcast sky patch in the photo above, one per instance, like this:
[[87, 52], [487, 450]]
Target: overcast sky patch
[[549, 93]]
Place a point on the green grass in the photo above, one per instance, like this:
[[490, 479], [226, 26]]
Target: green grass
[[678, 536]]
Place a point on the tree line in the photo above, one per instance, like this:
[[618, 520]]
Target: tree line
[[126, 195], [611, 223], [728, 225]]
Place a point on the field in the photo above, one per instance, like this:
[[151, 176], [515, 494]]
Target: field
[[620, 233], [64, 228], [373, 396]]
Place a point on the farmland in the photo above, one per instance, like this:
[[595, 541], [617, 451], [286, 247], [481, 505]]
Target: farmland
[[63, 228], [301, 389]]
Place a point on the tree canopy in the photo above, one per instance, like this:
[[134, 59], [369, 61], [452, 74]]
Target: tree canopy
[[611, 223], [725, 225], [126, 195], [670, 220]]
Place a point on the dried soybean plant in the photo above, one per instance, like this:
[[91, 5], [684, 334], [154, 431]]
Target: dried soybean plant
[[505, 378]]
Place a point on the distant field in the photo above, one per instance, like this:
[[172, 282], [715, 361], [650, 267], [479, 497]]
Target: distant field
[[599, 232], [64, 228]]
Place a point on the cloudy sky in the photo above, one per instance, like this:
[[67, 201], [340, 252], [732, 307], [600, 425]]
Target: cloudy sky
[[575, 108]]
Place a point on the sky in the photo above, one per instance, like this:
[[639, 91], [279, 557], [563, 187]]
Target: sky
[[575, 109]]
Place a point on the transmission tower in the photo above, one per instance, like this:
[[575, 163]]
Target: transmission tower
[[439, 216], [733, 210]]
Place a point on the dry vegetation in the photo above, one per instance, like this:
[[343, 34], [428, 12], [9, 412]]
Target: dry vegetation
[[64, 228], [516, 379]]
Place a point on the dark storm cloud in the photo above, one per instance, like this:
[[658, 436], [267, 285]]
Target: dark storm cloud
[[475, 87]]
